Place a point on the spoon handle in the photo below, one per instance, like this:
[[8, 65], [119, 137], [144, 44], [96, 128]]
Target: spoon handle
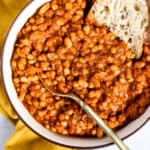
[[101, 124], [109, 132]]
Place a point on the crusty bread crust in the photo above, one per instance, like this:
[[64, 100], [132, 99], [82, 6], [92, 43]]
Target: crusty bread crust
[[128, 19], [147, 35]]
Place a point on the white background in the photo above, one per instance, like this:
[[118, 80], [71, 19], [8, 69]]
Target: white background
[[139, 141]]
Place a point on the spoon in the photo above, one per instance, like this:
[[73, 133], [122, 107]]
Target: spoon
[[108, 131]]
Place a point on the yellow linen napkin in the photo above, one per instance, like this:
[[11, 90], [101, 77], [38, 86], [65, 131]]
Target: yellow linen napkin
[[22, 138]]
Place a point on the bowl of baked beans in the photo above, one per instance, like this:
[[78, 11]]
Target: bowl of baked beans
[[73, 54]]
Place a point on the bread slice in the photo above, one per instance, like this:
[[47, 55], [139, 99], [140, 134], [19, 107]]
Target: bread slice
[[128, 19]]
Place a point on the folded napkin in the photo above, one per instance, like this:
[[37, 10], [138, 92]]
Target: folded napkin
[[22, 138]]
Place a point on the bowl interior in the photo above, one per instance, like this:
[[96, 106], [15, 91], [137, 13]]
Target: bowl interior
[[81, 142]]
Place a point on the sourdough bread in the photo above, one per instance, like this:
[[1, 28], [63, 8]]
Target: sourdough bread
[[128, 19]]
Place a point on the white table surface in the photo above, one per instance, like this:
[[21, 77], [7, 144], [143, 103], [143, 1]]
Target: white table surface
[[6, 129], [138, 141]]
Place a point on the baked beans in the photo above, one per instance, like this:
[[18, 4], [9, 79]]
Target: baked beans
[[73, 54]]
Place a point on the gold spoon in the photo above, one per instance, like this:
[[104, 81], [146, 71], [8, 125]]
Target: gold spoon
[[108, 131]]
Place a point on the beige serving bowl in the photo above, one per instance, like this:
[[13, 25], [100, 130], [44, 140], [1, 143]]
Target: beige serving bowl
[[70, 141]]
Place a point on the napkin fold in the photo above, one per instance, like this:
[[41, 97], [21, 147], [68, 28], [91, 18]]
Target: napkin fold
[[22, 138]]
